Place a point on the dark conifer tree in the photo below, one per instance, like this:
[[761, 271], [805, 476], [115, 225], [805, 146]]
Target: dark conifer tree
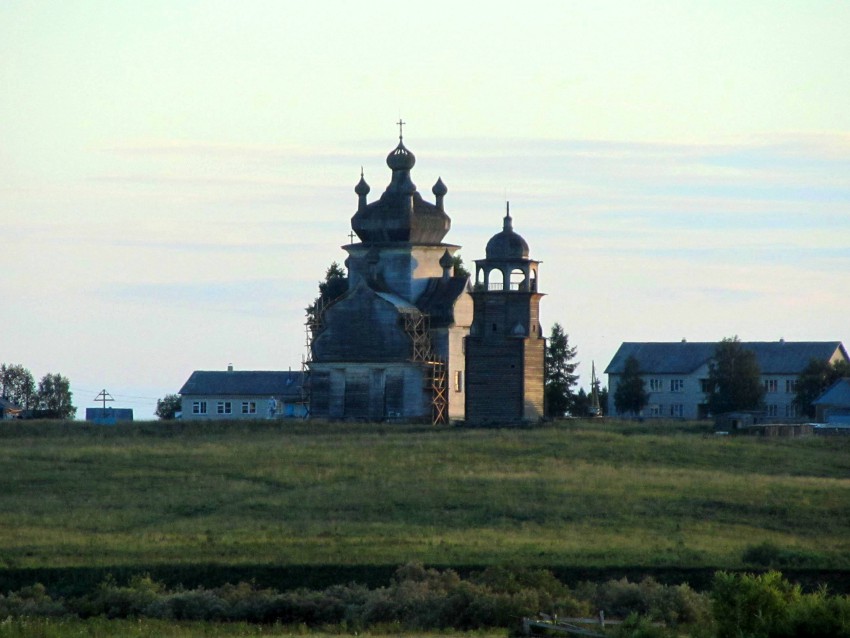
[[560, 373]]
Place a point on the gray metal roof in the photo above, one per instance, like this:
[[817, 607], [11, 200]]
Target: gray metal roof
[[683, 357], [286, 384]]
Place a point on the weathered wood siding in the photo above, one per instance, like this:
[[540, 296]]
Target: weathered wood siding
[[494, 381]]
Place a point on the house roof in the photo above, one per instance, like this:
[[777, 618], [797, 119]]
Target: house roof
[[838, 394], [684, 357], [9, 406], [282, 385]]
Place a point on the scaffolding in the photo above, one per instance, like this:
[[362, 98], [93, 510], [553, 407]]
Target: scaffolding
[[418, 326], [312, 326]]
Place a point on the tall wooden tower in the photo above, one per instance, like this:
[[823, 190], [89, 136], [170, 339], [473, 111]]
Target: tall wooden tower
[[505, 348]]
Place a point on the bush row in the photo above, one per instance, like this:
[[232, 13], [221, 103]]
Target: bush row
[[738, 605], [417, 598]]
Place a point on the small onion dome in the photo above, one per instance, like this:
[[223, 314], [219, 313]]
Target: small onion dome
[[400, 159], [362, 188], [446, 261], [439, 189], [507, 244]]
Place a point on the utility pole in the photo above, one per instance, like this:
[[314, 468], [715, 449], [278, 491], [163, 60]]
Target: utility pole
[[104, 396]]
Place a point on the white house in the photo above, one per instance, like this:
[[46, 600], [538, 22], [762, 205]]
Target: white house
[[676, 373], [243, 394]]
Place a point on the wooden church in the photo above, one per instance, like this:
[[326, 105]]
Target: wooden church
[[410, 340]]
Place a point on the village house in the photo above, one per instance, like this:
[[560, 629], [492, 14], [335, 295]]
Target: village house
[[676, 374], [833, 406], [243, 394]]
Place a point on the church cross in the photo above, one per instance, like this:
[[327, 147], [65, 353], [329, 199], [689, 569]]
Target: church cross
[[400, 123], [351, 236]]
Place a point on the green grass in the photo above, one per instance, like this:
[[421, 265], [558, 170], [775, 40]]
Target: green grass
[[578, 494]]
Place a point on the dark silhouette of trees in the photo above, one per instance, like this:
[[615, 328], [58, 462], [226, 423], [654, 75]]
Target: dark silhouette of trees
[[333, 287], [18, 386], [560, 373], [734, 379], [815, 378], [55, 398], [631, 396], [168, 407]]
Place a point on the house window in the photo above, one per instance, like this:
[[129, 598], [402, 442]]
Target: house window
[[677, 385], [772, 410], [199, 407], [791, 409], [654, 410], [771, 385], [249, 407], [677, 409], [224, 407], [655, 385], [458, 380], [704, 386], [791, 387]]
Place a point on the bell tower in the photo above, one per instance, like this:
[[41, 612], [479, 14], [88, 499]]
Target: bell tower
[[505, 348]]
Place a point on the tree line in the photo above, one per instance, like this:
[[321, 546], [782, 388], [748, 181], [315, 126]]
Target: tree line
[[50, 399], [734, 382]]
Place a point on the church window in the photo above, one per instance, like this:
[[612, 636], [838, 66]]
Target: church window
[[494, 327], [224, 407], [458, 380], [249, 407], [199, 407]]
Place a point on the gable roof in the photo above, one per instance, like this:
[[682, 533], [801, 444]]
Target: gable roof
[[774, 357], [837, 394], [285, 384]]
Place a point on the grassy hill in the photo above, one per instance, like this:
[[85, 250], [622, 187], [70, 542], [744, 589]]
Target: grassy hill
[[581, 494]]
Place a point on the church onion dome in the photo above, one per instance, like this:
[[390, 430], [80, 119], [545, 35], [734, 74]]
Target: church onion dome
[[446, 260], [507, 244], [400, 159], [439, 188], [362, 189], [400, 214]]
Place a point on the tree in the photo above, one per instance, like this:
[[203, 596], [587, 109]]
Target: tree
[[734, 378], [54, 397], [457, 264], [815, 378], [168, 407], [18, 385], [333, 287], [631, 396], [560, 377]]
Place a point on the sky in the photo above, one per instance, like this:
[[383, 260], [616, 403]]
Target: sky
[[176, 176]]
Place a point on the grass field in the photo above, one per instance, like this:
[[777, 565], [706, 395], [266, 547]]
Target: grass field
[[284, 493]]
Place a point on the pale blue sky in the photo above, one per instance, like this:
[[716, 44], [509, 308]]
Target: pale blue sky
[[176, 176]]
